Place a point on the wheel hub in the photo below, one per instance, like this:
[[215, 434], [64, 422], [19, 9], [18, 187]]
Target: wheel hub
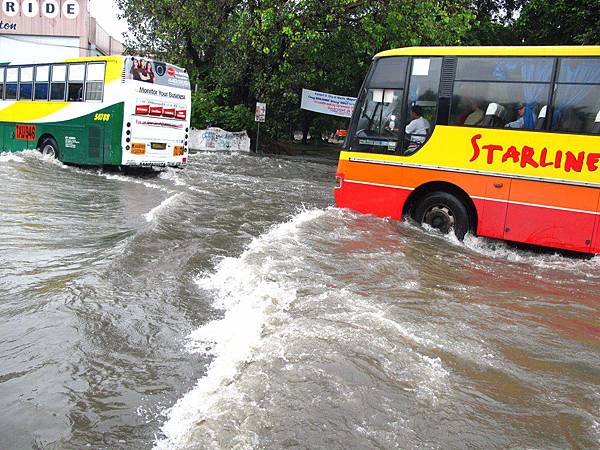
[[440, 218], [48, 150]]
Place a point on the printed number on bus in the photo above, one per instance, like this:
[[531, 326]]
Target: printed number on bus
[[25, 132], [102, 117]]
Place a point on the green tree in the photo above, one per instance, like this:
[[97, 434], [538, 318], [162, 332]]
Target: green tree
[[241, 51], [559, 22]]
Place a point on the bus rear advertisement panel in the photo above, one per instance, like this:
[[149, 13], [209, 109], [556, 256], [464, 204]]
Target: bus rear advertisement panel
[[475, 140], [86, 111]]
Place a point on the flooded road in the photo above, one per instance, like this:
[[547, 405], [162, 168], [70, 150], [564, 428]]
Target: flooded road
[[229, 305]]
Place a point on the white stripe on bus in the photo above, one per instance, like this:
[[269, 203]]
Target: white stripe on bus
[[535, 205]]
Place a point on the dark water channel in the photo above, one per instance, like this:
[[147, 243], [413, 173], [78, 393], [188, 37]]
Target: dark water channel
[[229, 305]]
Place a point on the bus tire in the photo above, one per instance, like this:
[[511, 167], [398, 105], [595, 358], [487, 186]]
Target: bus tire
[[444, 212], [49, 147]]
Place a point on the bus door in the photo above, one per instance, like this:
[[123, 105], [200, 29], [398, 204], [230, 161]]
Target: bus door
[[551, 214], [422, 103]]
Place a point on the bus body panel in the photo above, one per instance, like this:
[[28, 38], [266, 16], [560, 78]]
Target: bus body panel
[[541, 199]]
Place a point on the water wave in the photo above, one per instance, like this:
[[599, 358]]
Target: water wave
[[153, 213], [250, 295]]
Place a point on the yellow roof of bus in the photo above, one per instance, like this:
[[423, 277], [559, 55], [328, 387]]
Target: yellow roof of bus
[[571, 50]]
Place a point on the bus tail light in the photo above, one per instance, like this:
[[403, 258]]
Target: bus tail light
[[142, 109], [338, 181], [178, 151], [138, 149]]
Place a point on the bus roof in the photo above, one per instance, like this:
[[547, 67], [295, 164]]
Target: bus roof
[[571, 50]]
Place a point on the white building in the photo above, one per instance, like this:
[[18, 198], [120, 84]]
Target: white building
[[43, 30]]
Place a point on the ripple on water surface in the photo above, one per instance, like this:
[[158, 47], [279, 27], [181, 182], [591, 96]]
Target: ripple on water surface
[[229, 305]]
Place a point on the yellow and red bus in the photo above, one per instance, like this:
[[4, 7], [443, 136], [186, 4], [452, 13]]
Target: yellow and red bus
[[502, 142], [113, 110]]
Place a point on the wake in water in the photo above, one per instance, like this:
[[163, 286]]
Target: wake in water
[[287, 304], [250, 294]]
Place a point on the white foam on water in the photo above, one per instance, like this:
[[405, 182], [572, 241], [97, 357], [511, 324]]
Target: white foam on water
[[251, 294], [7, 157], [503, 250], [152, 214], [126, 179], [173, 175]]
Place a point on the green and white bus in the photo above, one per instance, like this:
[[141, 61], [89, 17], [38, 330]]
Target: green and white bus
[[113, 110]]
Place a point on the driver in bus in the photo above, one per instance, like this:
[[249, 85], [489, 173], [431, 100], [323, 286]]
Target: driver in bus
[[418, 127]]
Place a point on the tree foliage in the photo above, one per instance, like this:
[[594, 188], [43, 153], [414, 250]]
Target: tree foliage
[[242, 51], [559, 22]]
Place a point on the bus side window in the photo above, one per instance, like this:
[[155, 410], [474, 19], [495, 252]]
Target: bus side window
[[501, 92], [26, 83], [42, 79], [577, 95], [58, 84], [1, 83], [94, 85], [75, 82], [12, 82]]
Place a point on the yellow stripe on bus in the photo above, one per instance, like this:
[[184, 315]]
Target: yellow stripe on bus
[[565, 50], [30, 111], [114, 66]]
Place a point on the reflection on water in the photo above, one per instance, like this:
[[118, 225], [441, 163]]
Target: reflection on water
[[230, 305]]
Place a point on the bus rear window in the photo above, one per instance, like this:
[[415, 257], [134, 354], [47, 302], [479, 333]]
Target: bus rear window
[[42, 79], [12, 81], [75, 86], [1, 83], [26, 83], [95, 82], [59, 78]]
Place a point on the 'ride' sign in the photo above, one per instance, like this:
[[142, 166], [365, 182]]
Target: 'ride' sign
[[48, 8]]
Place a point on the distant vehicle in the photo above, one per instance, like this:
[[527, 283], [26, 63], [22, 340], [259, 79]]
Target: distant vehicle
[[113, 110], [498, 141], [341, 134]]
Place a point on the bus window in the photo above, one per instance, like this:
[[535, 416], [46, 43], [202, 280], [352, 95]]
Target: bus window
[[26, 83], [379, 109], [1, 83], [75, 83], [12, 81], [577, 95], [422, 100], [94, 85], [42, 79], [57, 86], [501, 92]]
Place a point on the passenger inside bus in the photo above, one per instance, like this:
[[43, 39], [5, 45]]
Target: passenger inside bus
[[520, 121], [475, 114]]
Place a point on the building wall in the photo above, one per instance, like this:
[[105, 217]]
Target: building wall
[[42, 38]]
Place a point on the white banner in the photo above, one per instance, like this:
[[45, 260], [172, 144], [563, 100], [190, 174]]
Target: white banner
[[218, 139], [322, 102]]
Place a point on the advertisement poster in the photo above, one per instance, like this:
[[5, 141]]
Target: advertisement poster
[[322, 102]]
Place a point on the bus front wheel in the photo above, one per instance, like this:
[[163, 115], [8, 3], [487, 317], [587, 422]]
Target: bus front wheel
[[49, 148], [444, 212]]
